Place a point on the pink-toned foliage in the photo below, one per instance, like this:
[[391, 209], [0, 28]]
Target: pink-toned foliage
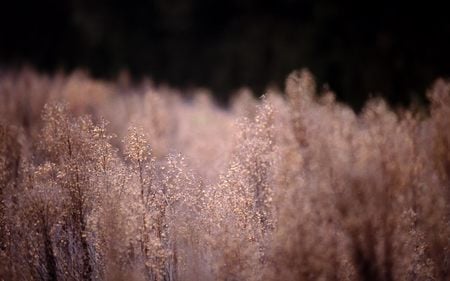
[[114, 181]]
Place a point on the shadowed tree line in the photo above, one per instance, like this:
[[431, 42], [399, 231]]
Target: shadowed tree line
[[358, 49]]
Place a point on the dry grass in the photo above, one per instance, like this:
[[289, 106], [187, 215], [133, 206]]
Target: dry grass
[[108, 181]]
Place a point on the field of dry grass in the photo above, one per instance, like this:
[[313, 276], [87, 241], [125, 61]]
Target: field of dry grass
[[115, 181]]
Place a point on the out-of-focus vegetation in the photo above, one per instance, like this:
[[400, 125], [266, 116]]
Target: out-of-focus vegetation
[[358, 48], [115, 181]]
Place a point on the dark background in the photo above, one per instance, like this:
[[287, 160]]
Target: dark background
[[357, 48]]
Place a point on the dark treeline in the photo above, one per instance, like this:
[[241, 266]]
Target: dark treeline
[[358, 49]]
